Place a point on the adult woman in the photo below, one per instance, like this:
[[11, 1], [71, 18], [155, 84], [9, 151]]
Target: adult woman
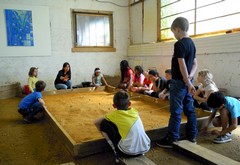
[[63, 79]]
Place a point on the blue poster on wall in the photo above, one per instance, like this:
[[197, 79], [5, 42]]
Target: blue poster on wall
[[19, 27]]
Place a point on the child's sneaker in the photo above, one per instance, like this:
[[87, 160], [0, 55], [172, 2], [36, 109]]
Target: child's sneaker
[[222, 139], [165, 142], [27, 120], [193, 140]]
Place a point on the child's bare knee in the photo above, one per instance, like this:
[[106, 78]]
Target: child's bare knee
[[216, 122]]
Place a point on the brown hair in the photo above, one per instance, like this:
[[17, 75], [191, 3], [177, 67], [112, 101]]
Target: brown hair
[[40, 86], [121, 100], [31, 71]]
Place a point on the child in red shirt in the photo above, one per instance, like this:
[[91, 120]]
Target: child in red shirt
[[127, 75]]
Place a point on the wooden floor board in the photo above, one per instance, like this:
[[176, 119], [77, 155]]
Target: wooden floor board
[[202, 154], [139, 160]]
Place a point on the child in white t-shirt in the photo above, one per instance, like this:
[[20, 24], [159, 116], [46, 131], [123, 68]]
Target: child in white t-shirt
[[97, 78], [206, 87]]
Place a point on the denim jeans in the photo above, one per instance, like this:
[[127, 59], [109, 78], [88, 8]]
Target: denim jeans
[[68, 85], [32, 110], [181, 100]]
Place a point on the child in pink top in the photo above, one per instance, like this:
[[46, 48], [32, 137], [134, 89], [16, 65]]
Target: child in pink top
[[127, 75], [139, 79]]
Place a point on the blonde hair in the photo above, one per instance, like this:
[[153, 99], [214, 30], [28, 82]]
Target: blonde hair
[[207, 76]]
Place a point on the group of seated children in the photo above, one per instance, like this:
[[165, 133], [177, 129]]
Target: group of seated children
[[63, 78], [148, 82]]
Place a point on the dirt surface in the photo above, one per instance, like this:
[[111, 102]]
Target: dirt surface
[[37, 144], [76, 112]]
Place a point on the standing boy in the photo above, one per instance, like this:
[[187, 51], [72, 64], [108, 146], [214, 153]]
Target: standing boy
[[123, 128], [229, 119], [183, 67], [32, 103]]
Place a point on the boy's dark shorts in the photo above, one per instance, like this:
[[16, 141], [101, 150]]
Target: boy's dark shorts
[[230, 119], [111, 130], [23, 111]]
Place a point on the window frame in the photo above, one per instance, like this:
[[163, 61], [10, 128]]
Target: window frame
[[75, 47], [136, 2], [207, 34]]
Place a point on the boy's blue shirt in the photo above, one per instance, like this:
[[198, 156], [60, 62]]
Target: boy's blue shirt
[[29, 100], [233, 106], [184, 48]]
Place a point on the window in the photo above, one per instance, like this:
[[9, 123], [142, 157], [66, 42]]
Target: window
[[92, 31], [134, 2], [204, 16]]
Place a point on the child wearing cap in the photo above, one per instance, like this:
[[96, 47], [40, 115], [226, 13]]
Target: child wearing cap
[[97, 78]]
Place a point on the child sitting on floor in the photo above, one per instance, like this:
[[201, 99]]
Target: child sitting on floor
[[147, 84], [206, 87], [97, 78], [127, 76], [138, 80], [33, 103], [165, 93], [159, 83], [32, 79], [229, 119], [123, 128]]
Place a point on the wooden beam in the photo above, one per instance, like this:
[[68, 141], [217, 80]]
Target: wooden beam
[[158, 21], [100, 145], [139, 160], [11, 90], [69, 163], [202, 154], [93, 49]]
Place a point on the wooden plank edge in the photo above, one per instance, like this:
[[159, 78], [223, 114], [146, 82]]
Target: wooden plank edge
[[203, 159], [138, 160], [67, 141]]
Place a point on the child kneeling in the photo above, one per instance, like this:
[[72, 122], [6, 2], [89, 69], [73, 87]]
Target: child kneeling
[[229, 119], [32, 103], [123, 128]]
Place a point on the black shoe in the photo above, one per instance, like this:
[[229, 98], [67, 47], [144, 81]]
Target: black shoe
[[27, 120], [165, 143]]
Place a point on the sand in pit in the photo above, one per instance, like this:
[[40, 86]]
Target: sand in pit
[[76, 112]]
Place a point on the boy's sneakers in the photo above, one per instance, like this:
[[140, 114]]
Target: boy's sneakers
[[27, 120], [193, 140], [165, 142], [223, 138]]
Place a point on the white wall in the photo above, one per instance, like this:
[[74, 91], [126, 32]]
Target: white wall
[[15, 69], [220, 54]]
